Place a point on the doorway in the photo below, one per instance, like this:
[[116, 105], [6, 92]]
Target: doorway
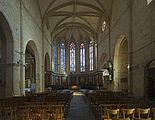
[[30, 70], [47, 74], [150, 78], [121, 64]]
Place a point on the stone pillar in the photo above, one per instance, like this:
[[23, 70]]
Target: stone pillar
[[130, 50], [16, 78], [95, 56], [52, 57], [22, 76]]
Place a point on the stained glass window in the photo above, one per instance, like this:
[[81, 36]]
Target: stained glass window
[[55, 58], [82, 58], [72, 57], [91, 55], [63, 57]]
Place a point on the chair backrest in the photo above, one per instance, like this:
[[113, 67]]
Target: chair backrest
[[112, 113], [141, 112], [122, 119], [128, 112]]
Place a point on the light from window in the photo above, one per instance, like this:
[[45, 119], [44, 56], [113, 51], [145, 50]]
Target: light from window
[[148, 2], [82, 58], [72, 57], [55, 58], [63, 58], [103, 26], [91, 55]]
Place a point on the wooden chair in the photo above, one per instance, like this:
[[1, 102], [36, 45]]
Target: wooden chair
[[121, 119], [111, 114], [59, 113], [103, 108], [143, 113], [128, 112]]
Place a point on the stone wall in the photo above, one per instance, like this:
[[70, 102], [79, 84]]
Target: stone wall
[[135, 20], [142, 42], [25, 23]]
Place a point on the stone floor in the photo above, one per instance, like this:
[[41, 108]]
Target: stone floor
[[79, 109]]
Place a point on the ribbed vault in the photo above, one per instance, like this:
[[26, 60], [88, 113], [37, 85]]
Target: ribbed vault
[[76, 19]]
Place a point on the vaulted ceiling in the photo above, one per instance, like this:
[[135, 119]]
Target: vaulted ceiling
[[74, 19]]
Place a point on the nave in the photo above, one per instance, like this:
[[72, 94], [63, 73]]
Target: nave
[[79, 108], [76, 105], [46, 106], [107, 46]]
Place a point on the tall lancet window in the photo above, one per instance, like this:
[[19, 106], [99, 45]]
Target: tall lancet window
[[82, 58], [63, 57], [91, 55], [55, 59], [72, 57]]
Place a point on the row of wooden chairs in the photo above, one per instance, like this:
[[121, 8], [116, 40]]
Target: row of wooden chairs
[[131, 113], [29, 112], [103, 101], [44, 106]]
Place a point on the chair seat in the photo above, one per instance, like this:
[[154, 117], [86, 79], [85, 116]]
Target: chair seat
[[142, 118], [121, 119]]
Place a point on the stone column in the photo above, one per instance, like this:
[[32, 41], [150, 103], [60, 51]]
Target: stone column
[[95, 56]]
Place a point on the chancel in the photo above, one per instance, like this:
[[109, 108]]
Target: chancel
[[77, 59]]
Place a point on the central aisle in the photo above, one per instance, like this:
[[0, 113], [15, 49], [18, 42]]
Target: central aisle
[[79, 109]]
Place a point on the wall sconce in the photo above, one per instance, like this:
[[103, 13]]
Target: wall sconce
[[20, 63], [128, 66]]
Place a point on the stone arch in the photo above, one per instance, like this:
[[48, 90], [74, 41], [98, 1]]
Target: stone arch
[[6, 62], [32, 70], [47, 70], [121, 64], [149, 83]]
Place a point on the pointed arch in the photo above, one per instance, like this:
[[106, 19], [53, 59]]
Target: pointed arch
[[32, 67], [149, 83], [121, 82], [47, 70], [6, 62]]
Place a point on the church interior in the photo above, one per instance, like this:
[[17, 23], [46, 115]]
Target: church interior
[[77, 59]]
